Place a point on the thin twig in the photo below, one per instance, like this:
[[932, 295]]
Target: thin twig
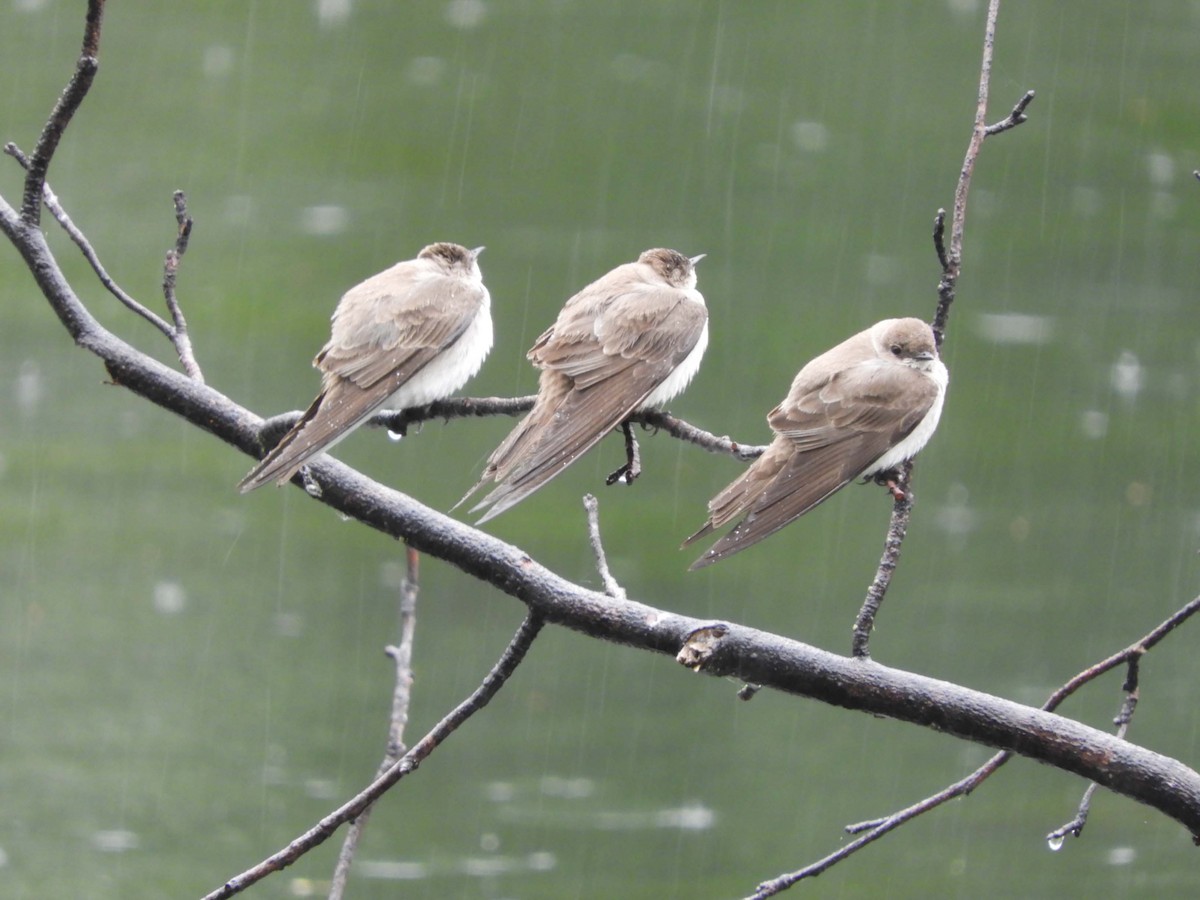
[[950, 260], [399, 421], [1015, 118], [611, 586], [1137, 648], [179, 335], [37, 192], [873, 831], [897, 529], [678, 428], [50, 199], [479, 698], [68, 102], [401, 655], [876, 828], [1131, 656], [1074, 828], [939, 246]]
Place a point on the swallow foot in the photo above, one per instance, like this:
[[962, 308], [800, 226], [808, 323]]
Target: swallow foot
[[633, 459], [626, 473], [890, 479]]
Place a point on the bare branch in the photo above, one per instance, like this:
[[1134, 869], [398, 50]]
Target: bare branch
[[319, 833], [401, 655], [50, 199], [950, 259], [1137, 648], [179, 334], [872, 831], [897, 529], [1131, 656], [733, 651], [678, 428], [878, 827], [399, 421], [939, 245], [1015, 118], [611, 586], [52, 132]]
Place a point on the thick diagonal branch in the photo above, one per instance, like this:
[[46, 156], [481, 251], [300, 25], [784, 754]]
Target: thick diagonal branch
[[749, 655]]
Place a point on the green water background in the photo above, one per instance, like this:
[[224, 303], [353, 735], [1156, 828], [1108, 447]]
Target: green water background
[[191, 677]]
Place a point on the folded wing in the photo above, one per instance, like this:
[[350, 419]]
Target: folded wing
[[375, 348], [602, 358], [827, 434]]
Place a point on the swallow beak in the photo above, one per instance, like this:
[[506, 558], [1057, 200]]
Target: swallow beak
[[696, 259], [475, 253]]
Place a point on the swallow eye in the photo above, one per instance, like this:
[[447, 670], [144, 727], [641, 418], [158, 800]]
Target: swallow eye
[[895, 349]]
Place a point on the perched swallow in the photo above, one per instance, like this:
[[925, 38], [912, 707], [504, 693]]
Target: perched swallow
[[857, 410], [406, 337], [630, 340]]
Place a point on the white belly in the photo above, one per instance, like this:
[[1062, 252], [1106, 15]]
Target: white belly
[[919, 436], [674, 383], [451, 369]]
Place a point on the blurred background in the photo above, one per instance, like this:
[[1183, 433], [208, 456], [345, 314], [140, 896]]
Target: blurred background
[[191, 677]]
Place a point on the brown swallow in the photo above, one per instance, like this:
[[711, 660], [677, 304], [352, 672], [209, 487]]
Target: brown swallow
[[630, 340], [410, 335], [862, 408]]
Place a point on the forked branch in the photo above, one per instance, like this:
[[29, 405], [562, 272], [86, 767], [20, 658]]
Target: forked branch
[[319, 833], [874, 829], [401, 656], [950, 260]]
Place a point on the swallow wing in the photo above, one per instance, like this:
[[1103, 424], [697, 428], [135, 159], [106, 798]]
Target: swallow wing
[[602, 358], [828, 433], [385, 331]]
